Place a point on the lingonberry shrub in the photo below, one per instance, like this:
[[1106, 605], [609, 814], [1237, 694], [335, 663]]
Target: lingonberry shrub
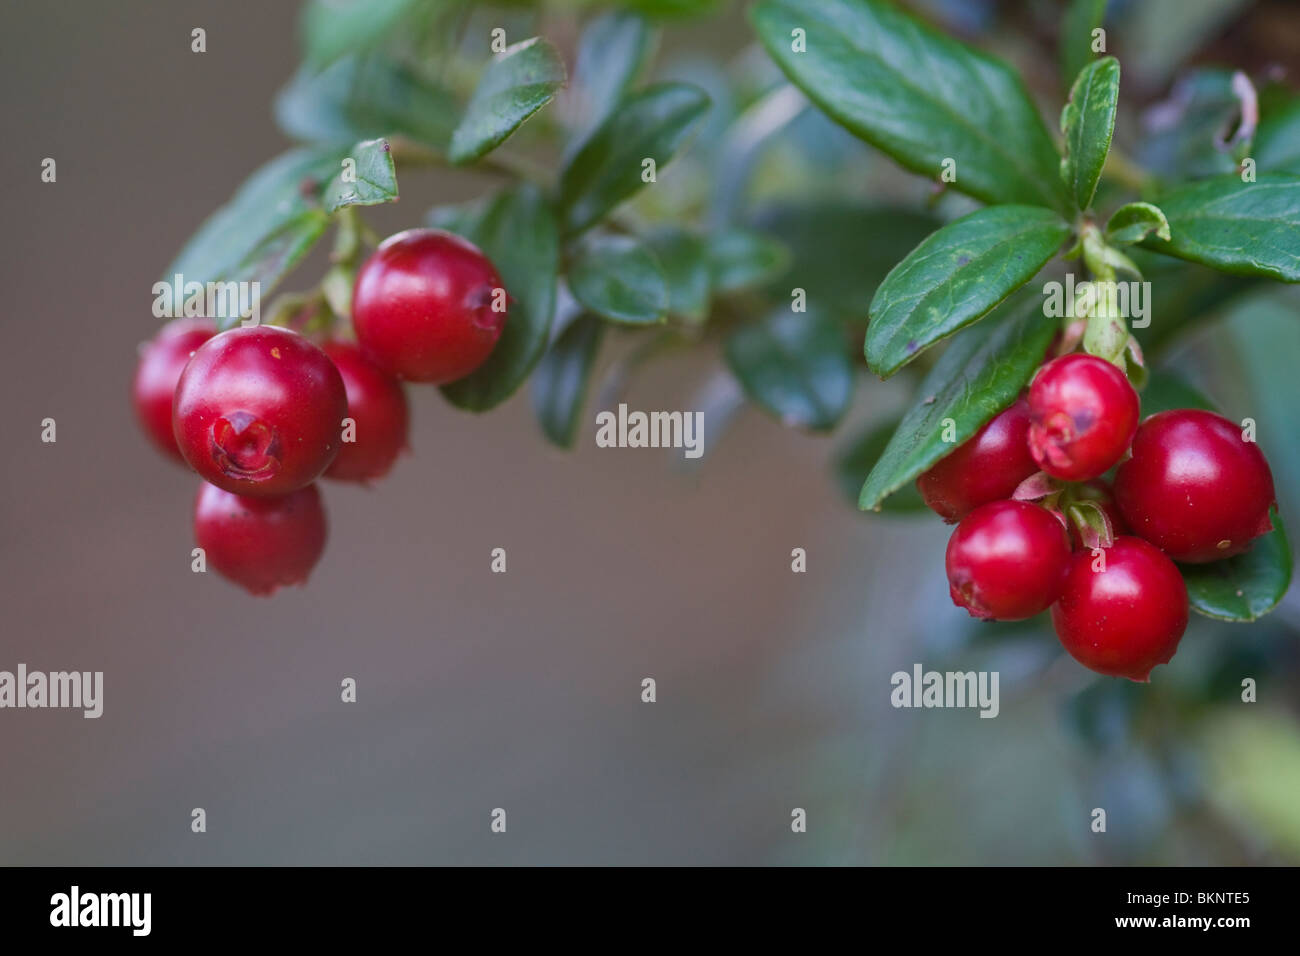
[[377, 409], [987, 467], [260, 543], [1194, 487], [1083, 413], [159, 369], [1006, 561]]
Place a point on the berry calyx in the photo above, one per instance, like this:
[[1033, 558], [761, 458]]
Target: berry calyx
[[260, 543], [987, 467], [1194, 487], [1097, 494], [1083, 415], [162, 360], [1006, 560], [1123, 620], [258, 410], [378, 410], [428, 306]]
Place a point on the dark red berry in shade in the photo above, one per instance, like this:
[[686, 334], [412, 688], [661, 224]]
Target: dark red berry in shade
[[377, 407], [987, 467], [1083, 415], [1124, 620], [260, 543], [1101, 495], [161, 361], [1006, 560], [258, 411], [1194, 488], [423, 306]]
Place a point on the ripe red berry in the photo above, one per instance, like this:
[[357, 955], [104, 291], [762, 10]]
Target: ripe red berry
[[1084, 413], [423, 304], [258, 411], [260, 543], [1194, 488], [1006, 560], [987, 467], [377, 407], [1124, 620], [161, 362]]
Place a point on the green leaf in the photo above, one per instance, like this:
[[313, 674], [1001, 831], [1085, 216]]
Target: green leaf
[[363, 99], [1240, 228], [1081, 18], [331, 28], [978, 375], [515, 85], [956, 276], [373, 179], [652, 124], [794, 365], [1246, 587], [1087, 123], [562, 378], [741, 258], [917, 95], [615, 48], [856, 459], [823, 235], [684, 260], [1165, 391], [619, 278], [265, 229], [518, 232], [1133, 222], [1277, 141]]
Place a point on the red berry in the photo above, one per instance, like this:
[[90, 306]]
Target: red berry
[[1124, 620], [377, 407], [1194, 488], [161, 362], [987, 467], [258, 411], [260, 543], [1006, 560], [1084, 413], [423, 306]]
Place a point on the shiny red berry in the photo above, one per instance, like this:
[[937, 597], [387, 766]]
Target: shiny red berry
[[1006, 560], [1194, 488], [1126, 619], [378, 412], [428, 306], [260, 543], [161, 362], [1084, 413], [987, 467], [258, 411]]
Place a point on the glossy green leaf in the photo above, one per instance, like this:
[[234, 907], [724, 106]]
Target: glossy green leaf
[[683, 257], [979, 374], [794, 365], [956, 276], [332, 28], [1250, 229], [1246, 587], [612, 164], [855, 460], [265, 229], [1080, 19], [741, 258], [369, 181], [614, 50], [920, 96], [1133, 222], [1087, 124], [618, 278], [562, 378], [518, 232], [354, 99], [515, 85]]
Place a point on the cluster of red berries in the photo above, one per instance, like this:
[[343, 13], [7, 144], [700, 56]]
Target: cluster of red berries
[[262, 412], [1192, 490]]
